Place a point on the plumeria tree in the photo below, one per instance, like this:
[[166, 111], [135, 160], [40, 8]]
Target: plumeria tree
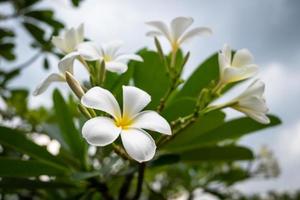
[[174, 137]]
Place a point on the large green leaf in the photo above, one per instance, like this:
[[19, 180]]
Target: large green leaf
[[215, 153], [18, 141], [45, 16], [231, 130], [201, 77], [204, 154], [22, 168], [70, 134], [151, 76], [192, 133], [179, 108]]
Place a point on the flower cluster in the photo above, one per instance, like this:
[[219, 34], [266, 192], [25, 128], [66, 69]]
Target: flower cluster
[[130, 123]]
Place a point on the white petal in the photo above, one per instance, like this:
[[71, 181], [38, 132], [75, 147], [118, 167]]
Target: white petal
[[100, 131], [89, 51], [257, 88], [257, 116], [254, 103], [162, 27], [138, 144], [134, 100], [226, 51], [233, 74], [66, 63], [45, 84], [117, 67], [179, 25], [80, 33], [59, 43], [152, 121], [222, 64], [70, 40], [101, 99], [200, 31], [127, 57], [112, 48], [242, 57]]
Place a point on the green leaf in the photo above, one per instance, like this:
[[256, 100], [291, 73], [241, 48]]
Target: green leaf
[[30, 168], [232, 130], [70, 134], [192, 134], [45, 16], [201, 77], [216, 153], [231, 176], [179, 108], [18, 141], [151, 76], [20, 183], [6, 51], [36, 32]]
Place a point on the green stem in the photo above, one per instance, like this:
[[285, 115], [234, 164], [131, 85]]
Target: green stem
[[139, 187]]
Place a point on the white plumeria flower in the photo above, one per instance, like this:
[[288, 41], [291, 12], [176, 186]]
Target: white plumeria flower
[[101, 131], [54, 77], [252, 103], [68, 43], [177, 33], [239, 68], [114, 61]]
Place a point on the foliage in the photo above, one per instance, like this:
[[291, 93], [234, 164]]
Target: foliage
[[205, 153]]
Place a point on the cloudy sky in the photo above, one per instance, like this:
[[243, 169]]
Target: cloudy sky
[[270, 29]]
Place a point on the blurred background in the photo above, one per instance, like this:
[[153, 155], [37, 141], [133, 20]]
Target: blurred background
[[270, 29]]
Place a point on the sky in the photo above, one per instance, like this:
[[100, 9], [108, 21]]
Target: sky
[[270, 29]]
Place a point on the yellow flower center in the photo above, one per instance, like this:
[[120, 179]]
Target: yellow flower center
[[107, 58], [123, 122]]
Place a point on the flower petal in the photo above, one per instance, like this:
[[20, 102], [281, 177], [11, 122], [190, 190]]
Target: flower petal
[[101, 99], [253, 103], [200, 31], [134, 100], [45, 84], [152, 121], [241, 58], [59, 43], [112, 48], [257, 116], [70, 40], [100, 131], [117, 67], [256, 88], [226, 51], [179, 25], [161, 27], [138, 144], [66, 63], [127, 57], [80, 33], [233, 74], [89, 51]]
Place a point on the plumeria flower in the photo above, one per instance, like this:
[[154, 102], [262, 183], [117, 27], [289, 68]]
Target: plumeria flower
[[177, 33], [68, 43], [54, 77], [252, 103], [114, 61], [239, 68], [130, 124]]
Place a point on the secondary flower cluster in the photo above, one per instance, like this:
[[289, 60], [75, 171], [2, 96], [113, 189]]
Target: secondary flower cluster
[[131, 122]]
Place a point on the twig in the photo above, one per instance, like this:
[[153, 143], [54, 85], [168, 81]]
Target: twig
[[139, 187]]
